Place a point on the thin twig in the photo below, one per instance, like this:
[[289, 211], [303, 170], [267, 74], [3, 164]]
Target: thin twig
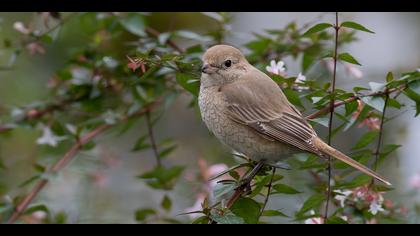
[[156, 34], [152, 138], [34, 114], [330, 122], [269, 187], [68, 156], [381, 129], [327, 109]]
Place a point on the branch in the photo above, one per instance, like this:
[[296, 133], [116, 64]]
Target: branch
[[34, 114], [68, 156], [156, 34], [269, 187], [330, 121], [327, 109], [152, 138], [381, 129]]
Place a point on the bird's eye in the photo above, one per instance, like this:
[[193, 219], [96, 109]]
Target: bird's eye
[[228, 63]]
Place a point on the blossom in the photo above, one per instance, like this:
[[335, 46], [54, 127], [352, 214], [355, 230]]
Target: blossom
[[276, 68], [300, 78], [314, 220], [373, 123], [342, 196], [49, 138], [415, 181], [375, 207], [35, 47], [136, 63], [21, 28]]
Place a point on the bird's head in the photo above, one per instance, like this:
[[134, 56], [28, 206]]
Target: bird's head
[[223, 64]]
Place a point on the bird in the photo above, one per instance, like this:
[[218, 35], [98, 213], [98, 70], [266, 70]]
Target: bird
[[247, 111]]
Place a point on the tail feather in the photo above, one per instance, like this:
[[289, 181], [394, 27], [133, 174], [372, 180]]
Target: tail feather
[[328, 150]]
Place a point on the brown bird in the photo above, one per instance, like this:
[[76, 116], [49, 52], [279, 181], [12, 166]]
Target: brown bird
[[248, 111]]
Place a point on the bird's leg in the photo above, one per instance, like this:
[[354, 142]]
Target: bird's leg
[[246, 181]]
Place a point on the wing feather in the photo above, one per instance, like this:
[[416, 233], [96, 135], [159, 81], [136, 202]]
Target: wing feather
[[258, 102]]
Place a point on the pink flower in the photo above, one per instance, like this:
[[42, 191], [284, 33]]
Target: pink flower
[[276, 68], [373, 123], [35, 47], [414, 181], [353, 70]]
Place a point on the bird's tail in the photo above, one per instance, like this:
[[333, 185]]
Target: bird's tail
[[330, 151]]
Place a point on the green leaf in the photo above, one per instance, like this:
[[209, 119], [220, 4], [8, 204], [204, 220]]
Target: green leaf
[[356, 26], [335, 220], [140, 144], [227, 218], [134, 23], [142, 214], [293, 97], [348, 58], [247, 209], [415, 86], [162, 178], [356, 182], [376, 102], [317, 28], [166, 203], [201, 220], [221, 190], [30, 181], [183, 80], [366, 139], [2, 166], [165, 152], [394, 103], [234, 174], [311, 203], [351, 107], [389, 77], [35, 208], [274, 213], [282, 188]]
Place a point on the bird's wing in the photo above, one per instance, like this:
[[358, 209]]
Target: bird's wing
[[258, 102]]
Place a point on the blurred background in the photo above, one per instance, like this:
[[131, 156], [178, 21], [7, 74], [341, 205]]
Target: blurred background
[[100, 186]]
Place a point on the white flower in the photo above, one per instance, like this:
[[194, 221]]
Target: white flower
[[276, 68], [342, 196], [315, 220], [345, 218], [20, 27], [375, 207], [111, 117], [300, 78], [415, 181], [48, 138]]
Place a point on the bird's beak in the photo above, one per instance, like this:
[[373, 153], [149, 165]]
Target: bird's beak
[[205, 68]]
